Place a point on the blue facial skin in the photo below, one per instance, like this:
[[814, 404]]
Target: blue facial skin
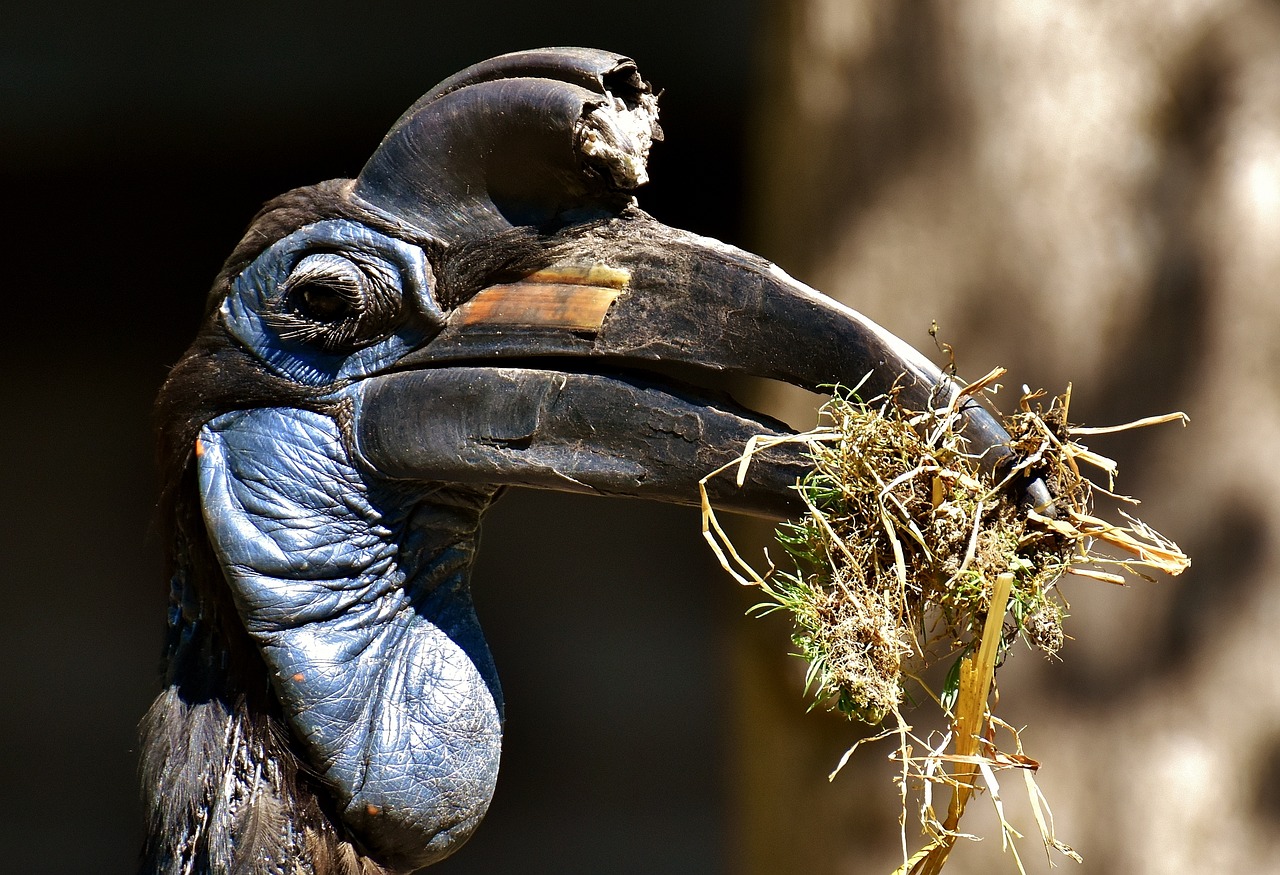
[[355, 587], [260, 290]]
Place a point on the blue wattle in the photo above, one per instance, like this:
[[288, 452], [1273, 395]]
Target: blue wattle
[[357, 592]]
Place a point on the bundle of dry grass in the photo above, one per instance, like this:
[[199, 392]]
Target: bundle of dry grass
[[908, 556]]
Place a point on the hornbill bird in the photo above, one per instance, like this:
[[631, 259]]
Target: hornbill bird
[[484, 305]]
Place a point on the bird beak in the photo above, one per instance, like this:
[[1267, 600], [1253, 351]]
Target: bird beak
[[557, 380], [561, 379]]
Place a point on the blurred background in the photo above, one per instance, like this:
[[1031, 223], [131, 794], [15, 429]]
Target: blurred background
[[1079, 191]]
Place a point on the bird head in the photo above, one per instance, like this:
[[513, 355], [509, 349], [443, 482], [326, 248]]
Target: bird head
[[483, 306]]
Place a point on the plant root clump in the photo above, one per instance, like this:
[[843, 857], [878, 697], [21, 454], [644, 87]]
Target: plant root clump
[[853, 645], [898, 555], [895, 561], [908, 554]]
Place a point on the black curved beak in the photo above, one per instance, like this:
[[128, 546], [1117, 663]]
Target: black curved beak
[[561, 380]]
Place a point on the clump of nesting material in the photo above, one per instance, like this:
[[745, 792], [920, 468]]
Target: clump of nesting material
[[898, 555], [908, 555]]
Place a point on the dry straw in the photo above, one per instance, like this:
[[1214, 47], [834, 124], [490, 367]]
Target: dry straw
[[908, 556]]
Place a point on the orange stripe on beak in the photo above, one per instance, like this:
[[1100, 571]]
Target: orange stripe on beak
[[566, 297]]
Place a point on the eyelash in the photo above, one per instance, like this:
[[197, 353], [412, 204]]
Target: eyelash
[[335, 302]]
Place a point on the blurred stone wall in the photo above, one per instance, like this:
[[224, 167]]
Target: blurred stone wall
[[1084, 192]]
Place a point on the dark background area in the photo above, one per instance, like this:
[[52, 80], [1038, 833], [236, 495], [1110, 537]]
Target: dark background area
[[136, 141]]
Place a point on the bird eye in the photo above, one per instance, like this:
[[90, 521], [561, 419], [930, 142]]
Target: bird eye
[[326, 288], [338, 302], [323, 303]]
